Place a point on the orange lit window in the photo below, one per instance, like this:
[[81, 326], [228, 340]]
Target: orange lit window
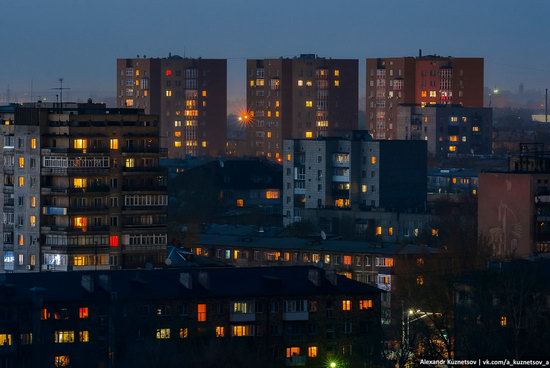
[[33, 143], [177, 133], [113, 241], [309, 134], [379, 230], [21, 181], [336, 83], [113, 143], [201, 312], [21, 239], [373, 160], [80, 222], [336, 72], [268, 134], [420, 280], [292, 351], [452, 148], [423, 94], [435, 232], [453, 138], [390, 231], [83, 312], [420, 261], [503, 321], [168, 72], [61, 361], [277, 103], [203, 93], [388, 262], [347, 260], [44, 314], [365, 304], [272, 194], [220, 331], [177, 144], [346, 305], [184, 332], [21, 162], [312, 351], [168, 93], [289, 157], [240, 202]]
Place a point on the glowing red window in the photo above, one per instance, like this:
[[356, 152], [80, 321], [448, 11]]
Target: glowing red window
[[168, 72], [113, 240]]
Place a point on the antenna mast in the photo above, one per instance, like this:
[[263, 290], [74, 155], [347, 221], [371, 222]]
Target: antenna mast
[[61, 89]]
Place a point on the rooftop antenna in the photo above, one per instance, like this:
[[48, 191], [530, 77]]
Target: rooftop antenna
[[61, 89]]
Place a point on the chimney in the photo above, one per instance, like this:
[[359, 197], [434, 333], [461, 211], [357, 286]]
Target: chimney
[[332, 277], [87, 283], [186, 280], [203, 279], [314, 276]]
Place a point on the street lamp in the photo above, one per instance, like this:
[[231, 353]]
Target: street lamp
[[332, 365]]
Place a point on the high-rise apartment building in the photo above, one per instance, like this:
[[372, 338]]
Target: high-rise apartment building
[[422, 80], [82, 188], [301, 97], [353, 172], [189, 95]]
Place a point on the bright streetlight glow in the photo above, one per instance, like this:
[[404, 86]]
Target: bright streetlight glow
[[332, 365]]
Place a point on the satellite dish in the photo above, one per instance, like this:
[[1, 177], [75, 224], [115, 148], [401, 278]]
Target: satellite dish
[[168, 261], [323, 235]]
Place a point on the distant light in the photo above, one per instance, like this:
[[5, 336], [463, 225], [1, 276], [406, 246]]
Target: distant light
[[246, 117], [332, 365], [495, 91], [240, 119]]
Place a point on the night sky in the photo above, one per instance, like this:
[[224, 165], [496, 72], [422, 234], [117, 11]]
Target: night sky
[[80, 39]]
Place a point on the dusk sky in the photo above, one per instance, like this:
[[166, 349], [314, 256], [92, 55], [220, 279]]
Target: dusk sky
[[80, 40]]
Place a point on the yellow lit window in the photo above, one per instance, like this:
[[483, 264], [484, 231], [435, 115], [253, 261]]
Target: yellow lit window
[[379, 230], [312, 351], [272, 194], [33, 201], [137, 82], [420, 280], [21, 239], [336, 83], [184, 333], [177, 123], [21, 181], [288, 157], [64, 337], [300, 83], [203, 93], [503, 321], [277, 103], [268, 113], [168, 93], [365, 304], [292, 351], [435, 232], [129, 162], [203, 144], [390, 231], [163, 333], [433, 94], [236, 254], [346, 305], [177, 133], [251, 83], [33, 143], [32, 220], [113, 143], [5, 340], [260, 82], [80, 182], [454, 119], [453, 138], [83, 336], [364, 188], [80, 222], [240, 203], [83, 313], [277, 114], [242, 330], [61, 361], [268, 134], [201, 312], [21, 162], [336, 72], [177, 144], [80, 144], [137, 72], [452, 148], [220, 331], [373, 160], [309, 134], [474, 191], [309, 103]]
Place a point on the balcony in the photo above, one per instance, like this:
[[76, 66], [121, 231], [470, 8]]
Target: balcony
[[296, 361], [141, 169], [91, 189], [141, 150], [144, 188], [296, 316], [340, 178], [242, 317]]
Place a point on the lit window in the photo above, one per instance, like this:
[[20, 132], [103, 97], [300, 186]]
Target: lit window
[[220, 331], [453, 138], [379, 230], [83, 336], [420, 261], [423, 94], [64, 337], [168, 93], [336, 72], [390, 231], [435, 232], [373, 160], [277, 114], [309, 103], [61, 361], [240, 203], [21, 162], [365, 304], [420, 280], [272, 194], [177, 133], [80, 182], [203, 144], [268, 134], [347, 260], [80, 144], [336, 83], [83, 312], [184, 333], [312, 351], [242, 330], [177, 144], [168, 72], [177, 123], [21, 239], [5, 340], [21, 181], [44, 314], [346, 305], [113, 241], [454, 119], [252, 83], [277, 103], [80, 222], [260, 82], [201, 312], [300, 83], [452, 148], [292, 351], [309, 134], [163, 333], [503, 321], [113, 143], [129, 162], [288, 157], [32, 220], [364, 188], [475, 129], [33, 201], [33, 143]]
